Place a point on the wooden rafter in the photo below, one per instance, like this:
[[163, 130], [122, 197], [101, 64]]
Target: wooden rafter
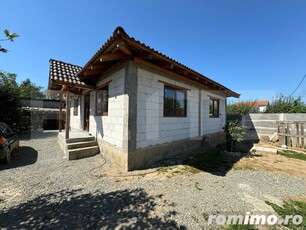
[[124, 48], [61, 92], [74, 85], [111, 57], [92, 72]]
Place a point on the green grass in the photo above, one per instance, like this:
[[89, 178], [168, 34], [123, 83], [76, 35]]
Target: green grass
[[293, 154], [208, 160], [241, 227], [291, 207]]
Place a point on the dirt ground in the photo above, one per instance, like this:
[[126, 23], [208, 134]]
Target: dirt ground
[[273, 163]]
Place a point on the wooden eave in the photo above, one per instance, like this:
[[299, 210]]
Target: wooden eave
[[121, 47]]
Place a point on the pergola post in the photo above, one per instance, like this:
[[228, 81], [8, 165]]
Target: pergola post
[[67, 113]]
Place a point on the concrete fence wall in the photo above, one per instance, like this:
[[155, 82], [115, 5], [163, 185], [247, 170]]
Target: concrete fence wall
[[264, 124]]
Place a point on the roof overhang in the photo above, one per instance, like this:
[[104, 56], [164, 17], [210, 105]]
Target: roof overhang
[[120, 47]]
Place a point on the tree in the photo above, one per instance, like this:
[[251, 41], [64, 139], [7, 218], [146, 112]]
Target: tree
[[9, 37], [51, 96], [287, 104], [234, 133], [30, 90], [241, 108], [10, 106]]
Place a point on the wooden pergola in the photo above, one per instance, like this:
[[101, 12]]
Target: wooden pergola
[[63, 80]]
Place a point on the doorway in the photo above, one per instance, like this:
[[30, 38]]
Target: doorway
[[86, 112]]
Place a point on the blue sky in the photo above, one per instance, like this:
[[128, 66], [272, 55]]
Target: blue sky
[[255, 47]]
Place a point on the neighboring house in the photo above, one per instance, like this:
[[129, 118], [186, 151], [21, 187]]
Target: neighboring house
[[40, 114], [140, 105], [261, 106]]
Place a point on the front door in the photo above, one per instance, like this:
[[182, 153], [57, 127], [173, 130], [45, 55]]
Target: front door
[[86, 112]]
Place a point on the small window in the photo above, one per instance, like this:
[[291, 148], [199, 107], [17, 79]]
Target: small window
[[213, 108], [102, 101], [175, 102], [75, 106]]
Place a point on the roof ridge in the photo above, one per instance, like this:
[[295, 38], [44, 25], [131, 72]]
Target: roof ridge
[[119, 30]]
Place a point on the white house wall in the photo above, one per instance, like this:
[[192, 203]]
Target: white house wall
[[75, 121], [153, 128], [108, 128], [212, 125]]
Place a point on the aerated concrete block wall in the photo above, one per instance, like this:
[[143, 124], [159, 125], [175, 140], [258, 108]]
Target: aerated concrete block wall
[[212, 125], [109, 128], [153, 128], [75, 121], [265, 123]]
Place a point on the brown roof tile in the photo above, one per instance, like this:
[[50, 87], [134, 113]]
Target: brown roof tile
[[64, 72], [119, 32]]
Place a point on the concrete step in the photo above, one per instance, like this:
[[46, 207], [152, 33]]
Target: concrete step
[[83, 144], [80, 139], [74, 154]]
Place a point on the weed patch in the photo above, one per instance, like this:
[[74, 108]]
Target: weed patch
[[241, 227], [293, 154], [291, 207]]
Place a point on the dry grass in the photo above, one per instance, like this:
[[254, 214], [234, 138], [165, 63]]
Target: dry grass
[[274, 163]]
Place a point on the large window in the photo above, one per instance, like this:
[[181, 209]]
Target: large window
[[102, 101], [75, 106], [175, 102], [213, 107]]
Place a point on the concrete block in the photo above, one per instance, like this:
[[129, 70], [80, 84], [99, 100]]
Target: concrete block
[[274, 138], [257, 148]]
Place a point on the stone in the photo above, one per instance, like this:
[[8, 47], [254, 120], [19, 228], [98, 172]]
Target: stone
[[274, 138]]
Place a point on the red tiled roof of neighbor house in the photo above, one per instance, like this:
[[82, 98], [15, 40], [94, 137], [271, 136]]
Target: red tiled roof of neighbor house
[[254, 103]]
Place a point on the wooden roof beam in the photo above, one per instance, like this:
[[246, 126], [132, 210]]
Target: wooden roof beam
[[122, 46], [111, 57], [64, 87], [166, 65], [92, 72]]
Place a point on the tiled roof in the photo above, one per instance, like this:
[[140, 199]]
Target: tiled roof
[[120, 33], [64, 72], [254, 103]]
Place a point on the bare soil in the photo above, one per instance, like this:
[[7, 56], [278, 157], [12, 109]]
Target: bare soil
[[273, 163]]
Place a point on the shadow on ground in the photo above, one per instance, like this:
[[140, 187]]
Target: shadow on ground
[[38, 135], [20, 157], [215, 160], [123, 209]]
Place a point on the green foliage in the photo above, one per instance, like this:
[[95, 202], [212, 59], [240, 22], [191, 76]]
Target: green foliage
[[9, 37], [209, 160], [285, 104], [241, 227], [241, 108], [30, 90], [292, 154], [10, 107], [234, 133], [10, 94], [291, 207]]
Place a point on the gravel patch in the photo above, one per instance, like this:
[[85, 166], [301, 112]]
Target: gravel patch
[[41, 189]]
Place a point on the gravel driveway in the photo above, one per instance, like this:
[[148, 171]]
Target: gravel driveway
[[40, 189]]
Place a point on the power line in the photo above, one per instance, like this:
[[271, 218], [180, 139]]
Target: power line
[[298, 85]]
